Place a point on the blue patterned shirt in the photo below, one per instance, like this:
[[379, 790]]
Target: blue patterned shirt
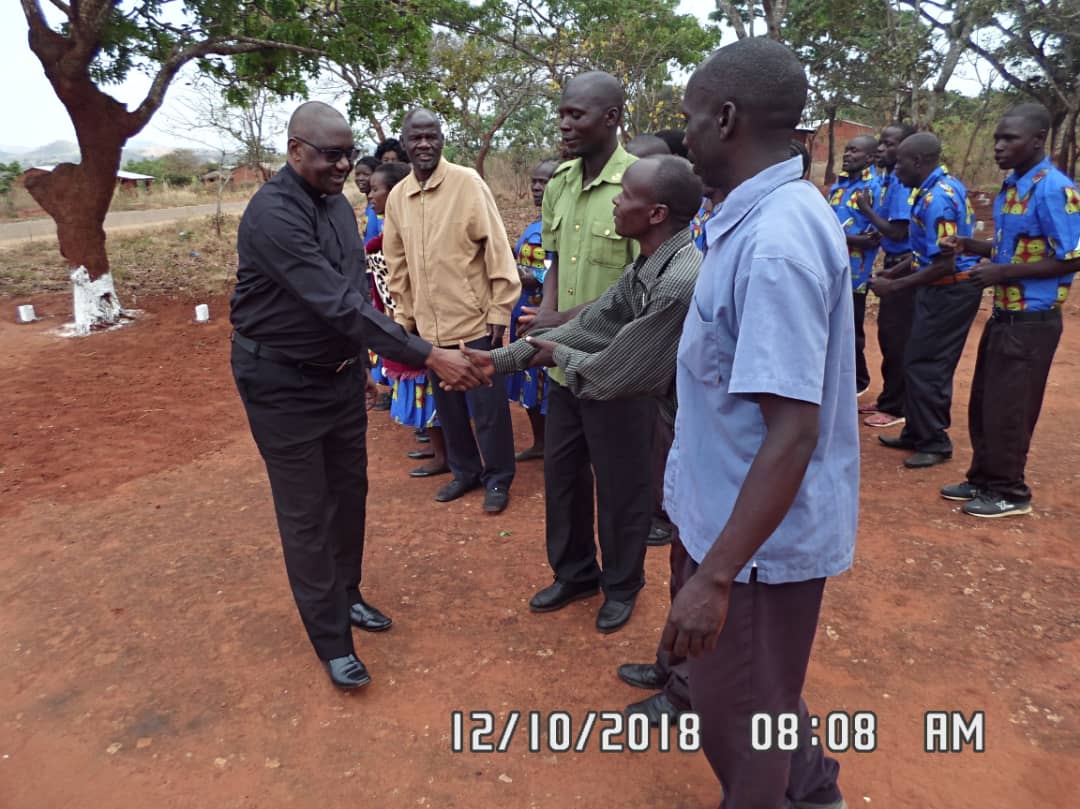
[[855, 222], [1036, 216], [894, 204], [941, 208]]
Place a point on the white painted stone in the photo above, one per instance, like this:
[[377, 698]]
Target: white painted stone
[[202, 313], [26, 314]]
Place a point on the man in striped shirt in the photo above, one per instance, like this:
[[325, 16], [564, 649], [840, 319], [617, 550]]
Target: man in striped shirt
[[623, 344]]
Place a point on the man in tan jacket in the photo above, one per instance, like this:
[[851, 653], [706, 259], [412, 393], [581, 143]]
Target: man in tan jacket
[[453, 279]]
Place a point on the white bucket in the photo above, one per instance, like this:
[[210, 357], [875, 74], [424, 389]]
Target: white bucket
[[26, 314], [202, 313]]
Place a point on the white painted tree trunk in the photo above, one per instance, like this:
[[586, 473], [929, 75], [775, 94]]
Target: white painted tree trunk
[[96, 303]]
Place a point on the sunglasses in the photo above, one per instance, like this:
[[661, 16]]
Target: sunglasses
[[333, 155]]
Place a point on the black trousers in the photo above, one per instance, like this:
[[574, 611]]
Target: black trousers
[[676, 669], [608, 444], [663, 436], [895, 313], [758, 667], [943, 318], [1014, 359], [310, 430], [487, 456], [862, 373]]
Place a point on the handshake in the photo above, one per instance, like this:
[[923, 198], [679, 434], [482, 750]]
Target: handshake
[[469, 368]]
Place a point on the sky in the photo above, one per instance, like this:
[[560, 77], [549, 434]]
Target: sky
[[36, 117]]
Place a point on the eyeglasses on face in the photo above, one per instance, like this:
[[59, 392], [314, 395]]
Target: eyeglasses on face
[[333, 155]]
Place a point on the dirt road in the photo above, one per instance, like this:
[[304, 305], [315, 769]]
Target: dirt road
[[31, 229], [152, 655]]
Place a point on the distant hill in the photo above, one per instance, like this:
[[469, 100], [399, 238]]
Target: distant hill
[[65, 151]]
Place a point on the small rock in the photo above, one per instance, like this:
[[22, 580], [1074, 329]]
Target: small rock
[[272, 763], [220, 763], [506, 779], [143, 743], [114, 748]]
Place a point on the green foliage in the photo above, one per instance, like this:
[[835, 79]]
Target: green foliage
[[178, 167], [638, 41], [9, 172]]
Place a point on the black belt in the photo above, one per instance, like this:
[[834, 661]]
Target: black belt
[[1005, 316], [280, 357]]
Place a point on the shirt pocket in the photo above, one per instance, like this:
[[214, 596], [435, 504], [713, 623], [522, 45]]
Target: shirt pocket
[[700, 352], [608, 248]]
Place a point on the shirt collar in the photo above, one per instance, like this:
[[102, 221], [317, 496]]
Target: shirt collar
[[748, 194], [932, 180], [611, 173], [866, 175], [294, 176], [413, 187], [1025, 183], [648, 268]]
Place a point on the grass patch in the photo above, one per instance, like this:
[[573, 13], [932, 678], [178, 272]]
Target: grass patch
[[145, 262], [159, 260]]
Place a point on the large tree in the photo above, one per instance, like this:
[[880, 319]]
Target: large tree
[[95, 43]]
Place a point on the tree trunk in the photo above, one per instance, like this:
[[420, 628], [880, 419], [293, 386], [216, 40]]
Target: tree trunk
[[1065, 157], [980, 121], [77, 197], [830, 167]]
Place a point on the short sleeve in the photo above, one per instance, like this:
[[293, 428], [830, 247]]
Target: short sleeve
[[942, 219], [898, 203], [1059, 216], [549, 230], [783, 311]]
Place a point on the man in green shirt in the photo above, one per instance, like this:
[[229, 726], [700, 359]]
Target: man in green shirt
[[589, 442]]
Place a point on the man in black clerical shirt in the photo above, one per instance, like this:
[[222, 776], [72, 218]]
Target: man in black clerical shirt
[[303, 323]]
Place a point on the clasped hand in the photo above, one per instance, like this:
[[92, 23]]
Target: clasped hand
[[483, 366]]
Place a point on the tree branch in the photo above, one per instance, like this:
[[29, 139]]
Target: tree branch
[[733, 17], [211, 47]]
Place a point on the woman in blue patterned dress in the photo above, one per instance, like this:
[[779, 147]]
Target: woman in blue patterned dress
[[530, 387]]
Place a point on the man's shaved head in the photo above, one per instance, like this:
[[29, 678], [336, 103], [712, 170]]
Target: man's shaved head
[[321, 147], [675, 185], [916, 158], [867, 143], [598, 89], [1035, 117], [761, 77], [922, 145], [902, 129], [419, 116], [314, 120], [647, 146]]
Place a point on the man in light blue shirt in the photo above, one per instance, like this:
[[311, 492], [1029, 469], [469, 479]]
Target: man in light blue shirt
[[762, 480]]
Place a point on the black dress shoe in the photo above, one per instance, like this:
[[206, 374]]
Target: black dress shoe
[[659, 534], [425, 472], [559, 594], [613, 614], [368, 618], [895, 442], [455, 489], [417, 454], [642, 675], [347, 672], [496, 499], [921, 460], [654, 707]]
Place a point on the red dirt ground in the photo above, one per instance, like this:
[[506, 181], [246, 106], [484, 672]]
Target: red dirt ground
[[152, 655]]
